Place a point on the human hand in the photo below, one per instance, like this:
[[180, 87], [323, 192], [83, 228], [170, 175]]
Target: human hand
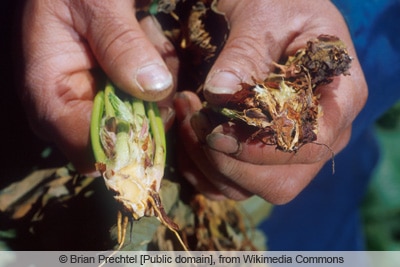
[[215, 159], [64, 42]]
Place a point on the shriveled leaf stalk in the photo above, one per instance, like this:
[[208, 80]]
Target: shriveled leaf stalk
[[129, 146]]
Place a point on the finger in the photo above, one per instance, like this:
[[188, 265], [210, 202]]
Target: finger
[[236, 141], [278, 184], [122, 48], [186, 104], [249, 50], [165, 48], [152, 28], [193, 175]]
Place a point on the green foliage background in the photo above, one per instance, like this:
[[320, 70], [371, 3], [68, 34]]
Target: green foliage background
[[381, 208]]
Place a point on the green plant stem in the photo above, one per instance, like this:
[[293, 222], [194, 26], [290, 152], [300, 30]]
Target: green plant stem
[[138, 109], [129, 113], [97, 115], [109, 110], [158, 132]]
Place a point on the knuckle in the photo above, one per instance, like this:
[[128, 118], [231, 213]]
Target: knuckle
[[114, 45]]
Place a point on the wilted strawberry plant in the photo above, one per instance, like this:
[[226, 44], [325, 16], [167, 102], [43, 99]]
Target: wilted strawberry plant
[[128, 141]]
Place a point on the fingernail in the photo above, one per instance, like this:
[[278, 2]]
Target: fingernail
[[224, 82], [222, 142], [200, 125], [154, 77]]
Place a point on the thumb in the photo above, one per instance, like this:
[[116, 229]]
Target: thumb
[[123, 50], [249, 50]]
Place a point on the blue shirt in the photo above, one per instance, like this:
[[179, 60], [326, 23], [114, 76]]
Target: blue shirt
[[326, 215]]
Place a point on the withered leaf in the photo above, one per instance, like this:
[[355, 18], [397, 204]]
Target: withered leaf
[[216, 225], [198, 31]]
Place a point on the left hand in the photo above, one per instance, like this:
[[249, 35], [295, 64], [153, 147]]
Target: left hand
[[65, 43]]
